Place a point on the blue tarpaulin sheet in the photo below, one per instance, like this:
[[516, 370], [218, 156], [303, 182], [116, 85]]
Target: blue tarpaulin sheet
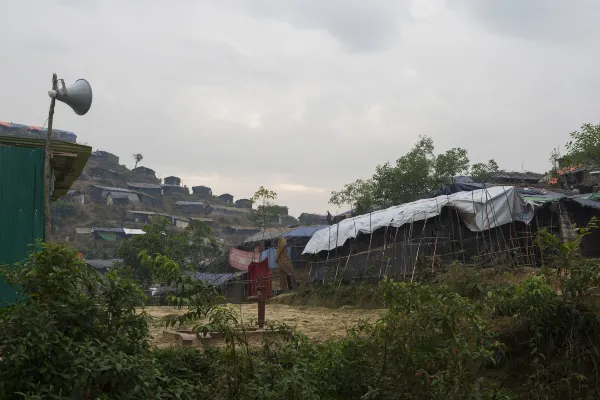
[[271, 252], [217, 279], [304, 231]]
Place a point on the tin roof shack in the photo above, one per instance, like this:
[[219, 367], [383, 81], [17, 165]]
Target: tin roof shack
[[105, 157], [232, 285], [243, 203], [226, 198], [22, 219], [121, 198], [109, 234], [142, 217], [144, 171], [172, 180], [204, 192], [152, 189], [175, 189], [147, 199], [145, 217], [101, 172], [192, 207], [306, 219], [281, 210], [99, 193], [180, 222]]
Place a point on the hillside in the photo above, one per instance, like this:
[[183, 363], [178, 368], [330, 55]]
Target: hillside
[[108, 196]]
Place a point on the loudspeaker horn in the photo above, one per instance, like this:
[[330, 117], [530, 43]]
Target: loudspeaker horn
[[78, 96]]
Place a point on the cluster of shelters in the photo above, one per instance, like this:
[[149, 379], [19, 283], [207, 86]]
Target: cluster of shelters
[[35, 132], [115, 195], [107, 234], [466, 222]]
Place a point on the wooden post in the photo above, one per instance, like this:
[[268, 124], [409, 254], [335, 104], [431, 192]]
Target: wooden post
[[260, 298], [47, 157]]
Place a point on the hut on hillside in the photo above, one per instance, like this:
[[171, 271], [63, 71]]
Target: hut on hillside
[[226, 198], [306, 219], [204, 192], [243, 203], [104, 157], [145, 171], [172, 180]]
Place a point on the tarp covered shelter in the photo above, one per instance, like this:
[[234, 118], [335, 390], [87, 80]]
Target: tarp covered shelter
[[479, 210]]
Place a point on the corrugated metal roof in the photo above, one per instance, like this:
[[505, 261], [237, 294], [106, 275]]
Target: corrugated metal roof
[[232, 209], [141, 212], [124, 195], [113, 189], [304, 231], [267, 234], [189, 203], [115, 230], [84, 231], [142, 185]]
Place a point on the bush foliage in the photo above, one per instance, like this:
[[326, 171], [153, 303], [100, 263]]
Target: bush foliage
[[78, 335]]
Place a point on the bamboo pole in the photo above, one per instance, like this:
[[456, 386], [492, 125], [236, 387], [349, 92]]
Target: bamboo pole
[[47, 157]]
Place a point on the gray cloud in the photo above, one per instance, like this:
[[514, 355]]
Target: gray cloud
[[360, 26], [548, 20], [301, 97]]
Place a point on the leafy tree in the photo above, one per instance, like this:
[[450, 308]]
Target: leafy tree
[[584, 146], [157, 239], [413, 175], [76, 334], [358, 194], [195, 246], [137, 157], [267, 212], [203, 248], [482, 172], [450, 164]]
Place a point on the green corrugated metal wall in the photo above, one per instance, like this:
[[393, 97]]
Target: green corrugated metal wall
[[21, 207]]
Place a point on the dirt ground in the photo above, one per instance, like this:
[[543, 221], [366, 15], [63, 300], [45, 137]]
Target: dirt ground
[[317, 323]]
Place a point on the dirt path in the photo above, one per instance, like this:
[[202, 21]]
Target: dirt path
[[318, 323]]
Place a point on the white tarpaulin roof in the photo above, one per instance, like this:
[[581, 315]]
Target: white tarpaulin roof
[[480, 210], [133, 231]]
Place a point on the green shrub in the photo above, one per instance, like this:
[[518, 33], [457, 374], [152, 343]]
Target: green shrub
[[76, 333]]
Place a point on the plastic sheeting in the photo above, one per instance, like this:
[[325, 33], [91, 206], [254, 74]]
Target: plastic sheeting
[[270, 254], [304, 231], [479, 210], [220, 280], [129, 231]]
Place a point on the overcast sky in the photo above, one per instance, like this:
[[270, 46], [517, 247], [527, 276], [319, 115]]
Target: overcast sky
[[302, 96]]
